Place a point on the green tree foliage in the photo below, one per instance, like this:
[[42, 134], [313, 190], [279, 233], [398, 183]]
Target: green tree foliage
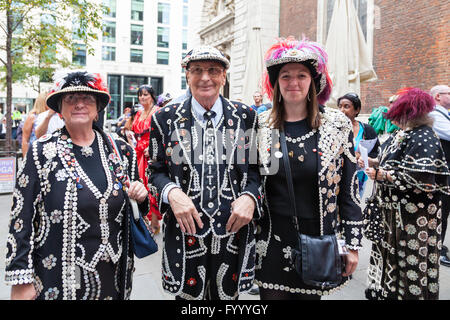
[[39, 38]]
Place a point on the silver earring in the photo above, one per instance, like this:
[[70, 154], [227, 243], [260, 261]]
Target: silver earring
[[279, 98], [309, 99]]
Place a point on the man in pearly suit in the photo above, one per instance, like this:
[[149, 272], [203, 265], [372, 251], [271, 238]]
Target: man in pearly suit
[[203, 171]]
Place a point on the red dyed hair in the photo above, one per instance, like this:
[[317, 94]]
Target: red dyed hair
[[411, 105]]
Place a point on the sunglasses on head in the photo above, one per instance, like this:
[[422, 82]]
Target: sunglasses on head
[[352, 95]]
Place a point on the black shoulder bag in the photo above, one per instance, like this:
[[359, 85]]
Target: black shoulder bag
[[315, 258]]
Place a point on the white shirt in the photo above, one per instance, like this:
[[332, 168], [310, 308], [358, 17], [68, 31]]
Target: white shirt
[[441, 124], [54, 124], [198, 112]]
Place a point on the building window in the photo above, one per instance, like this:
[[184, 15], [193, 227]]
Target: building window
[[15, 17], [49, 52], [137, 10], [361, 10], [185, 16], [183, 82], [79, 54], [109, 53], [163, 37], [131, 85], [111, 5], [136, 55], [137, 34], [157, 84], [76, 29], [115, 90], [162, 57], [365, 10], [109, 32], [164, 13], [184, 44]]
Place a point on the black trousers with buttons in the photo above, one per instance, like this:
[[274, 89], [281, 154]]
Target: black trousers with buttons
[[213, 273]]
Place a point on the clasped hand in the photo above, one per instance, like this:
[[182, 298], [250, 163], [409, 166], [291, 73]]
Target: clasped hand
[[137, 191], [187, 215]]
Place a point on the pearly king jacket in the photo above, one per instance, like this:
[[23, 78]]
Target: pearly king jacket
[[339, 202], [174, 160]]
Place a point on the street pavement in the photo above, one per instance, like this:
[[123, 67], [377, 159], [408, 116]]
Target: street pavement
[[147, 277]]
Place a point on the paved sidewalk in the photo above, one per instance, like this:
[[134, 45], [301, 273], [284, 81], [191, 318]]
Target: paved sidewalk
[[147, 278]]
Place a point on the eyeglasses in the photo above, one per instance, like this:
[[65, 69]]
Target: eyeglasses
[[213, 71], [73, 98]]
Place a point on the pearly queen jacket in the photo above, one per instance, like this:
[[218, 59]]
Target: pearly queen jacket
[[173, 161], [339, 202], [44, 214]]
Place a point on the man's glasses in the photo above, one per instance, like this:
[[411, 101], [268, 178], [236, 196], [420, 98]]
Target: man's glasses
[[73, 98], [213, 71]]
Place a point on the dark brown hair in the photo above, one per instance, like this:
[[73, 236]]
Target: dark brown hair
[[278, 111]]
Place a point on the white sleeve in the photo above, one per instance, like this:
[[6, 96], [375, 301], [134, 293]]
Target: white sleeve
[[40, 118], [441, 125]]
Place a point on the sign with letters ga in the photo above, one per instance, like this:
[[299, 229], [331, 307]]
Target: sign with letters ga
[[7, 175]]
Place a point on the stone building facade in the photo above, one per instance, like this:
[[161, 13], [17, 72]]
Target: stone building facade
[[230, 25]]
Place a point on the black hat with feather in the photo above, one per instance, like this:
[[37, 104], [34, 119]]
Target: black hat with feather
[[78, 81]]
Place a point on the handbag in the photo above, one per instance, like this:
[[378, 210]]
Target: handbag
[[373, 227], [143, 243], [315, 258], [141, 235]]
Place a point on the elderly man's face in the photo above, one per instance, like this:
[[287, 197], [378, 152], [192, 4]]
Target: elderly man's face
[[443, 98], [205, 79]]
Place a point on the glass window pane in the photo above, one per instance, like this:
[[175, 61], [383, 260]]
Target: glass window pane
[[130, 88], [162, 57], [109, 32], [183, 82], [361, 11], [137, 33], [164, 13], [79, 54], [157, 84], [185, 16], [75, 27], [136, 55], [15, 18], [115, 91], [163, 37], [109, 53], [137, 10], [184, 44], [111, 4]]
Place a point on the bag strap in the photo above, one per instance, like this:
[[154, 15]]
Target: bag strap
[[114, 145], [287, 169], [133, 202], [445, 115]]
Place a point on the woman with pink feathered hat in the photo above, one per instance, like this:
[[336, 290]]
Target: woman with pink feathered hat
[[322, 167]]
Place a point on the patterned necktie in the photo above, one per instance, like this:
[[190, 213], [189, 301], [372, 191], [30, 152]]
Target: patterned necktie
[[209, 202]]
